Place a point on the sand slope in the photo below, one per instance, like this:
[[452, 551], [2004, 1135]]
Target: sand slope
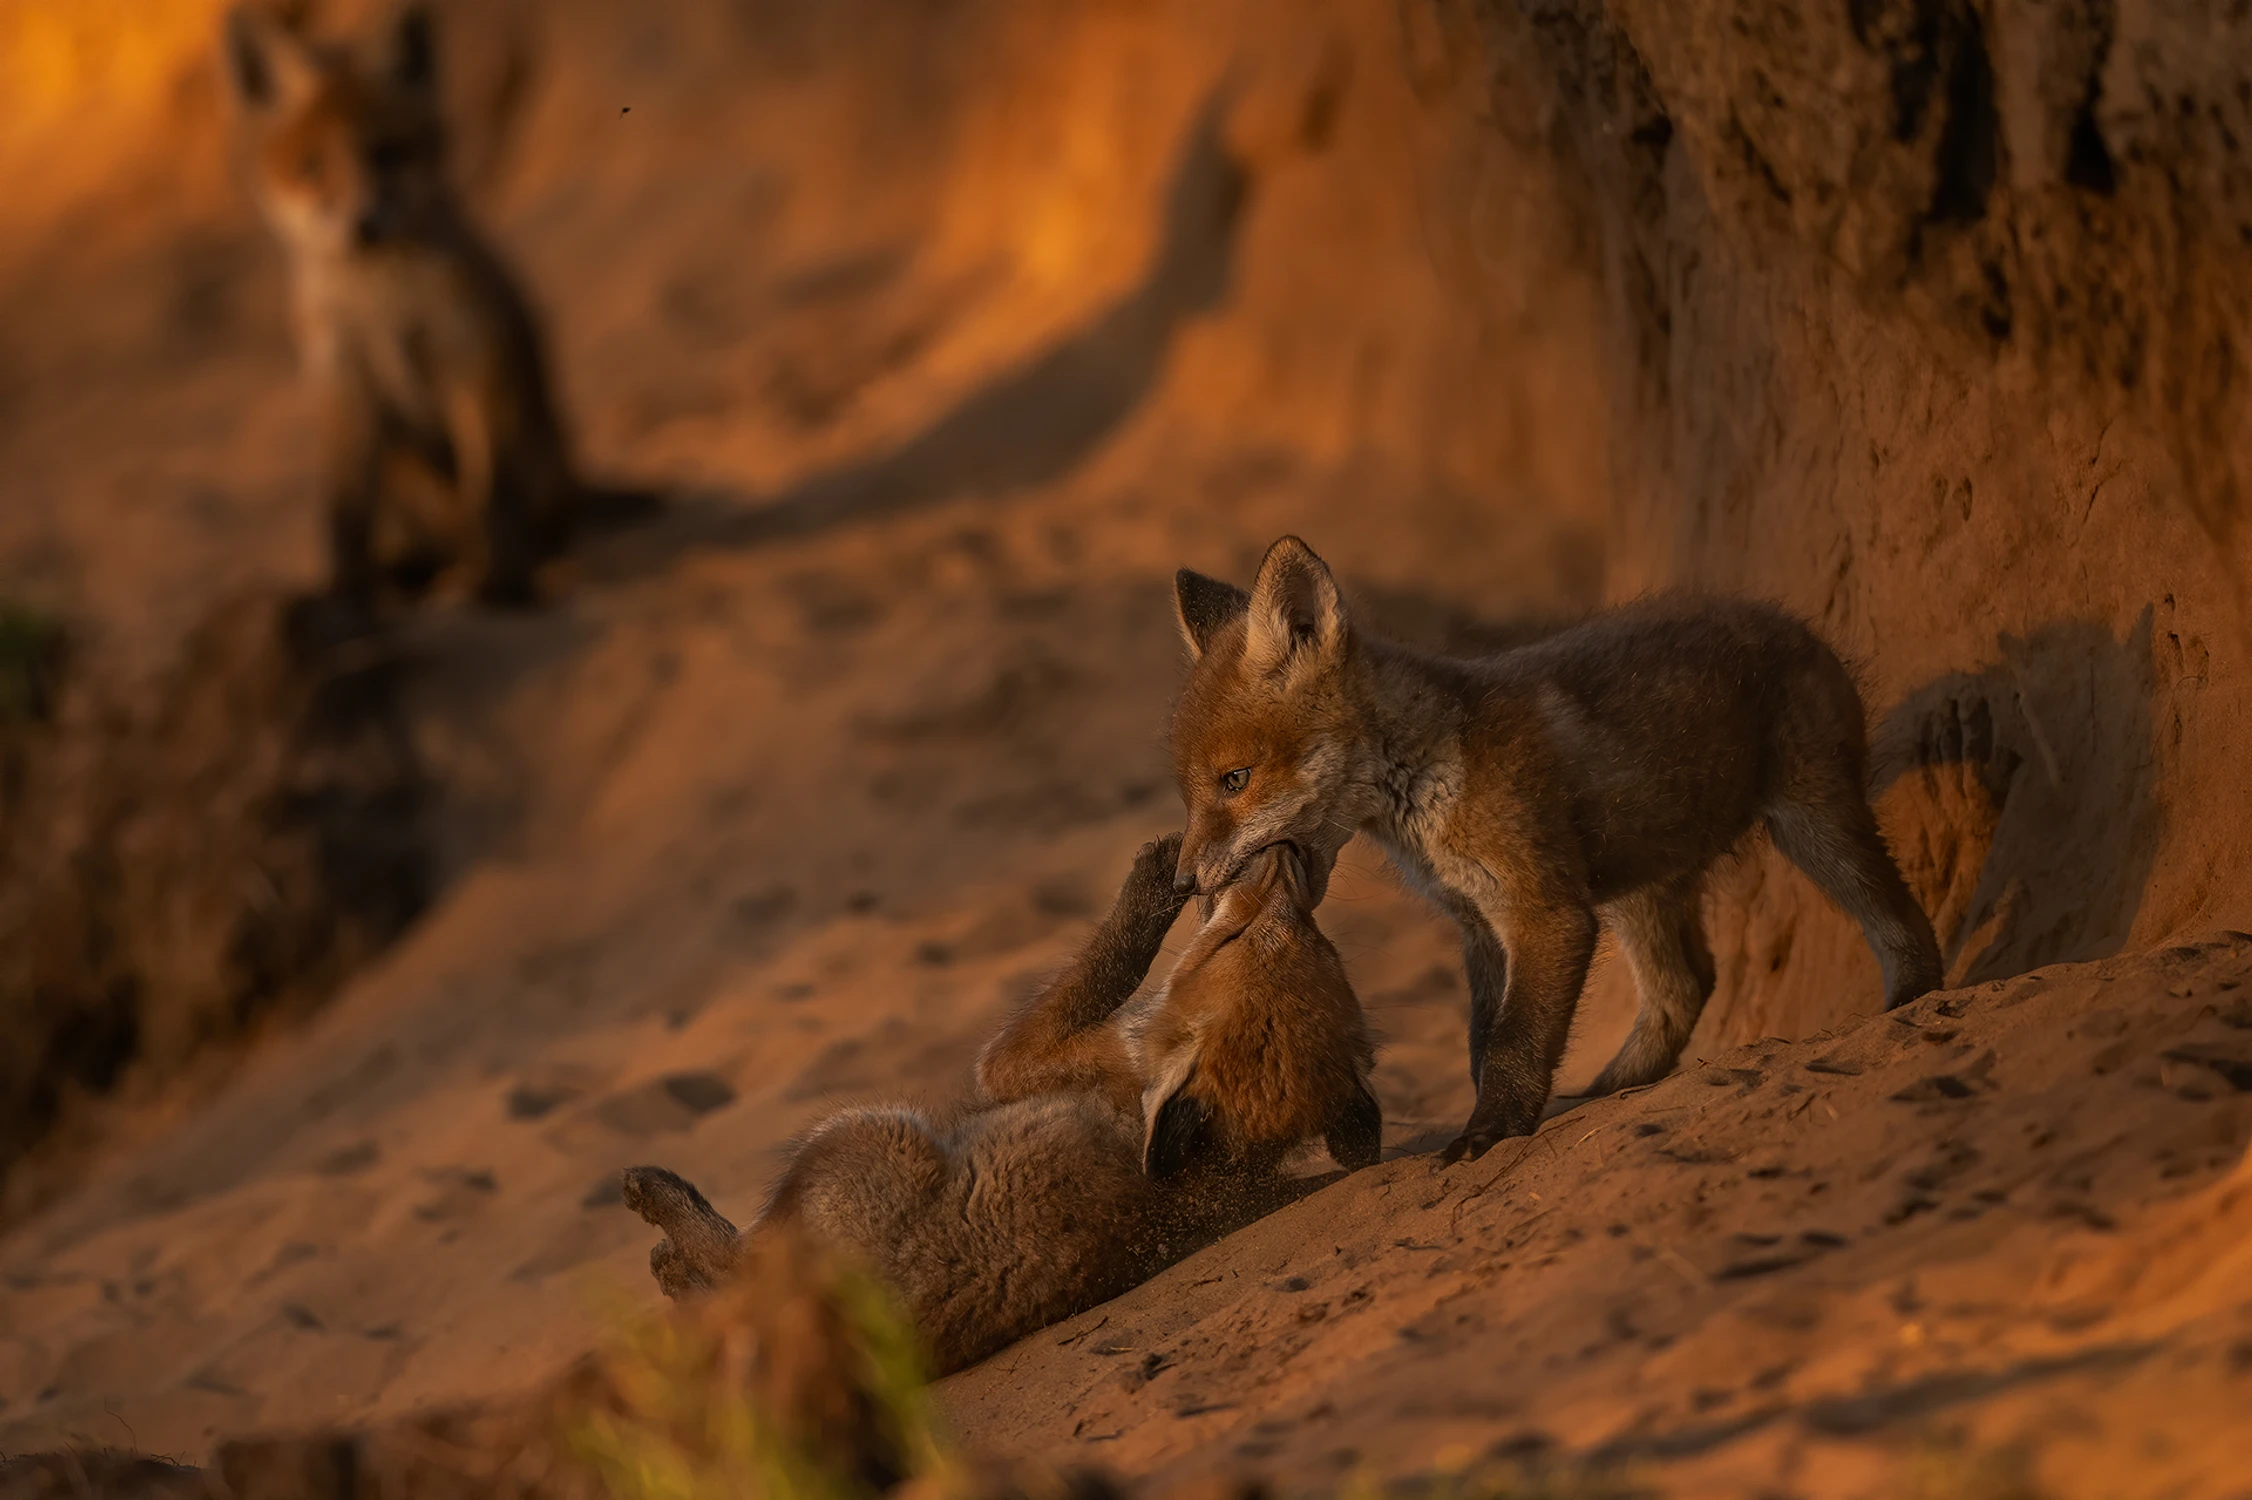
[[794, 790], [1996, 1230]]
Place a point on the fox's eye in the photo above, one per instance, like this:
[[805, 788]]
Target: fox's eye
[[1236, 780]]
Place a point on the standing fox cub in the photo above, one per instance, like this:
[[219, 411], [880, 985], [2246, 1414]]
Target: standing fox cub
[[414, 336], [1107, 1144], [1603, 769]]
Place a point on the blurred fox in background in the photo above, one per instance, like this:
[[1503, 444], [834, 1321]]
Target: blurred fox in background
[[415, 337]]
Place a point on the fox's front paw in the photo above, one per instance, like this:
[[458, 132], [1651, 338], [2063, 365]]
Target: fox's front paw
[[1149, 885], [1356, 1138], [1155, 860], [1487, 1128], [1466, 1147]]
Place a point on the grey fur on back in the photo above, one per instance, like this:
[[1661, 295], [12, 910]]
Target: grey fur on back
[[1006, 1221]]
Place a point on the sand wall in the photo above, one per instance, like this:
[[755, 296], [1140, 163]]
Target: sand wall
[[1930, 319]]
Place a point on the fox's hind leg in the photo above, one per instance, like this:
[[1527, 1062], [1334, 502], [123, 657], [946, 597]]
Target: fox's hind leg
[[1661, 930], [700, 1246], [1837, 844]]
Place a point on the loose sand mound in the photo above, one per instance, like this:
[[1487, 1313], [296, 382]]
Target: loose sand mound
[[951, 329]]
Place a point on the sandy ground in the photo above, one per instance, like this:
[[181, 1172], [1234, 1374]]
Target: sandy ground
[[947, 362], [1993, 1239]]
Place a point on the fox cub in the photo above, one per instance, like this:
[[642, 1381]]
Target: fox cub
[[1600, 771], [414, 336], [1105, 1144], [1256, 1042]]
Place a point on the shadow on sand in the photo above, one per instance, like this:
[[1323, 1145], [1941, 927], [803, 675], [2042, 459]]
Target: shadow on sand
[[2051, 744], [1031, 424]]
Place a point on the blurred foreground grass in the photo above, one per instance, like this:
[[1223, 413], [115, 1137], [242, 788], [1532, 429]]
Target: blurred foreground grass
[[803, 1381]]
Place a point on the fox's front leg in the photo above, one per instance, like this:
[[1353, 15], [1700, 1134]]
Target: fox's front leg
[[1486, 965], [1059, 1040], [490, 500], [352, 434], [1525, 984]]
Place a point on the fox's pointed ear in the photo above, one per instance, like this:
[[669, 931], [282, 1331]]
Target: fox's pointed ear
[[1295, 609], [1204, 605], [413, 56], [1176, 1134], [1177, 1121], [268, 64]]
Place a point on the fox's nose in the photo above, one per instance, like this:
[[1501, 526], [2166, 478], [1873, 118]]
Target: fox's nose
[[1184, 876]]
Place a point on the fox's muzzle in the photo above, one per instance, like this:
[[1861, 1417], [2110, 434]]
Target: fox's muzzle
[[1188, 875], [1187, 870]]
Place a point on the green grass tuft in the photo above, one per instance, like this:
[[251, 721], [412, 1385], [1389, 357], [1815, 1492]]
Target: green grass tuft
[[687, 1423]]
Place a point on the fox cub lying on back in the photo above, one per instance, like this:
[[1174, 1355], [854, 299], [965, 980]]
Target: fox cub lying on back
[[1601, 770], [414, 336], [1107, 1144]]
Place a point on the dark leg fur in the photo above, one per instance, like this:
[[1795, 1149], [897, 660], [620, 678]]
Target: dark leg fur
[[352, 460], [1035, 1050], [1523, 1045], [1841, 851], [1117, 958], [1661, 931], [1486, 964], [507, 579], [1821, 820], [1357, 1139]]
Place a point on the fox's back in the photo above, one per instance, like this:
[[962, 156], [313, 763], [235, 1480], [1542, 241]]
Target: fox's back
[[990, 1225], [1667, 719]]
